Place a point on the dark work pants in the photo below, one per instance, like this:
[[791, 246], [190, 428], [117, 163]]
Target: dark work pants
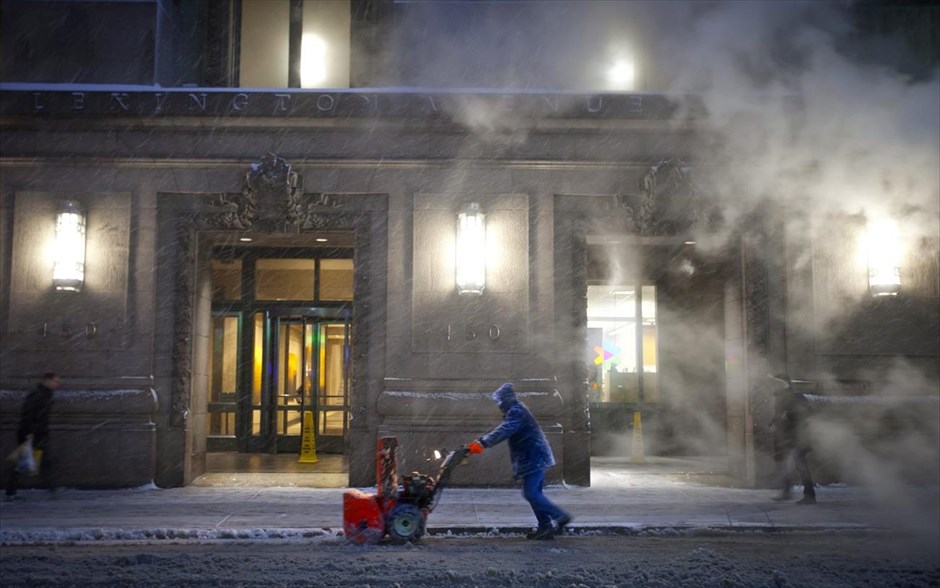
[[544, 509], [801, 464]]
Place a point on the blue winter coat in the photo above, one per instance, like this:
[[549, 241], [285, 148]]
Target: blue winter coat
[[528, 447]]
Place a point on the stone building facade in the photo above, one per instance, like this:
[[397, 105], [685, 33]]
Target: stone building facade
[[203, 205]]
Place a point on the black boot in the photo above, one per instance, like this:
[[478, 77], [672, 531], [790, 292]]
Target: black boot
[[541, 534], [563, 522]]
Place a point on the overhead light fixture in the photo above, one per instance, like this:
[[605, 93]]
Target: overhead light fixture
[[621, 75], [883, 251], [68, 269], [471, 250], [321, 239], [245, 239]]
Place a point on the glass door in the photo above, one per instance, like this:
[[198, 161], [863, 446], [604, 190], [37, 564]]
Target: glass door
[[290, 369], [222, 407], [300, 364], [331, 385]]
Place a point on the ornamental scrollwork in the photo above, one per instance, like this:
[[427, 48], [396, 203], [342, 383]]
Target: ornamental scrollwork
[[271, 199], [668, 202]]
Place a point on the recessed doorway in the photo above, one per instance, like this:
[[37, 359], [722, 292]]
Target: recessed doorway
[[279, 349]]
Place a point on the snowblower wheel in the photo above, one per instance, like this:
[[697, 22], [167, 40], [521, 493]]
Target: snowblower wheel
[[405, 524]]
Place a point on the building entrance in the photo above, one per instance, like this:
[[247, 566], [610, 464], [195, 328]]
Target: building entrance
[[279, 350], [655, 346]]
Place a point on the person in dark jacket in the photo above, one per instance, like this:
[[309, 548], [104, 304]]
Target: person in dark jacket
[[34, 423], [790, 439], [531, 456]]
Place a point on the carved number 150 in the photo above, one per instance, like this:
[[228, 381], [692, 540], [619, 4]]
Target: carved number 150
[[470, 332]]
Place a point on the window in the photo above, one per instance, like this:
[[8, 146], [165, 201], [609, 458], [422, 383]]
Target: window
[[284, 279], [323, 33], [617, 343], [336, 279], [245, 278], [226, 279], [88, 42]]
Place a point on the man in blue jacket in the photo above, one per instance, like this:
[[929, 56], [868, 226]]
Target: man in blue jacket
[[531, 456]]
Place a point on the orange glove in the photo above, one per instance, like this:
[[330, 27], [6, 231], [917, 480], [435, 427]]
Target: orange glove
[[475, 447]]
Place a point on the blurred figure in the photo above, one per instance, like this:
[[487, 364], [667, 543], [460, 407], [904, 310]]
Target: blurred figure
[[531, 456], [791, 443], [34, 422]]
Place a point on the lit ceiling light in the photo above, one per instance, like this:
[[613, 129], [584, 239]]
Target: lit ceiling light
[[321, 240], [68, 270], [313, 56], [621, 75], [245, 239]]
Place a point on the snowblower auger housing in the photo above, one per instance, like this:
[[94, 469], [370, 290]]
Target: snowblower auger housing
[[397, 513]]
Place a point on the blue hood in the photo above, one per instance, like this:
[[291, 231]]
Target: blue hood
[[505, 396]]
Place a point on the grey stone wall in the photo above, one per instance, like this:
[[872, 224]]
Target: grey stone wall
[[97, 438]]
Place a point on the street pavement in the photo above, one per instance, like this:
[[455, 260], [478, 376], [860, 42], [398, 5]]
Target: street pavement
[[618, 501]]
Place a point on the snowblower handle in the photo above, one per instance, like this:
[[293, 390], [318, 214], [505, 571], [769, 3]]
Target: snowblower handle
[[453, 459]]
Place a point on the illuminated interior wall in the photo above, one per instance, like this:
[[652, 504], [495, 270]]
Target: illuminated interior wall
[[264, 44], [284, 279], [325, 47], [258, 359]]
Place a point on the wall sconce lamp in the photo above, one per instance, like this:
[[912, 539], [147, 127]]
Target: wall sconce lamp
[[471, 250], [68, 270], [883, 250]]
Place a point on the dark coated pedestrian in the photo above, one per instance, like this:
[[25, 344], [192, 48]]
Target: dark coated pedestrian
[[791, 440], [34, 425]]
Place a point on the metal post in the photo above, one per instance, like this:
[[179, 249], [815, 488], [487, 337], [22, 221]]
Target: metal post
[[294, 41]]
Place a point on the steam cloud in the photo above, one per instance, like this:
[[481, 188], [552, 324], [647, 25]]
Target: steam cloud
[[795, 109]]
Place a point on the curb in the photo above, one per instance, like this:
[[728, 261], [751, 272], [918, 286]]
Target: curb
[[69, 536]]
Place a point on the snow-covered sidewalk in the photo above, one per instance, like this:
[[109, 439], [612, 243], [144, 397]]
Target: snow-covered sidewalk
[[649, 505]]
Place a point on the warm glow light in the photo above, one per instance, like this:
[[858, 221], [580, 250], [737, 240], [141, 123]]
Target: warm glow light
[[883, 252], [621, 75], [313, 55], [68, 270], [471, 250]]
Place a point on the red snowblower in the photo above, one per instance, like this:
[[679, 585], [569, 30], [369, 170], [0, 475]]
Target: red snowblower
[[400, 514]]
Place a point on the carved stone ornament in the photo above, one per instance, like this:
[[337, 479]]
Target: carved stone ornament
[[272, 199], [668, 202]]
